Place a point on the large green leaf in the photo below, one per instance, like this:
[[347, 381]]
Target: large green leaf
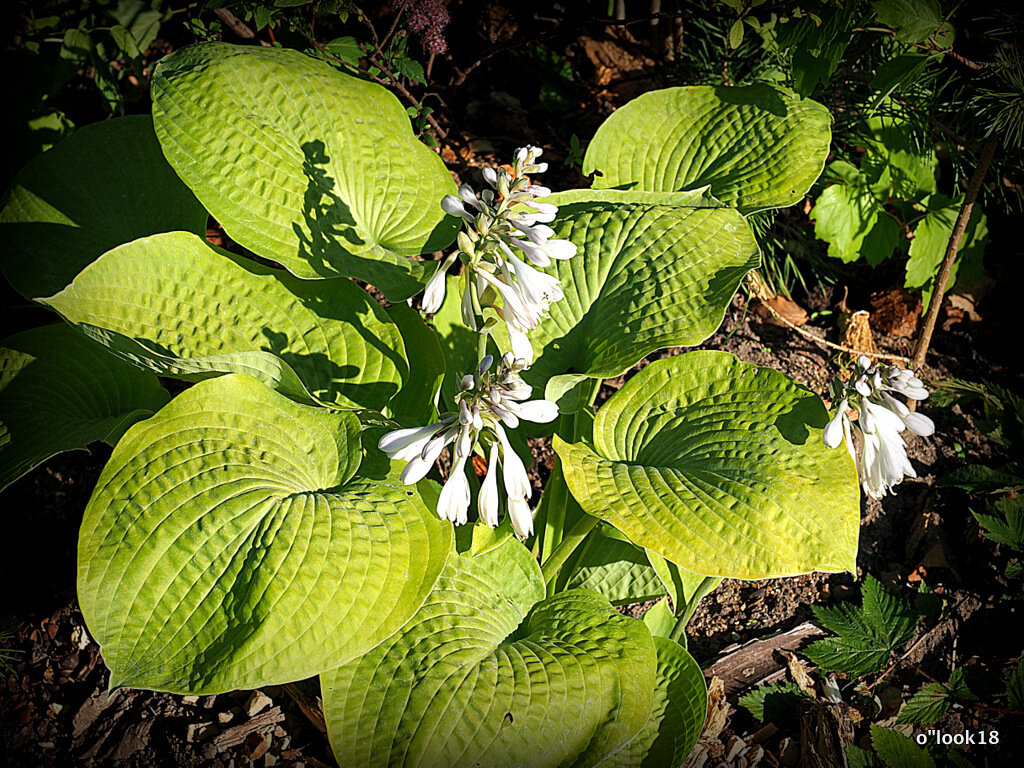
[[59, 392], [103, 186], [302, 164], [616, 569], [491, 673], [176, 304], [231, 543], [677, 714], [644, 277], [719, 466], [931, 238], [758, 146], [854, 224]]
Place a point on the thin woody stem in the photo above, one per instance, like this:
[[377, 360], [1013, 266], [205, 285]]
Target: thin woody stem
[[952, 248]]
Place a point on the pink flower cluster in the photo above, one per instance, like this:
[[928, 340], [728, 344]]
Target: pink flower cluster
[[428, 19]]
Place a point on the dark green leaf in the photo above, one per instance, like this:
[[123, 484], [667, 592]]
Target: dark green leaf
[[346, 48], [865, 636], [411, 69], [978, 478], [897, 72], [777, 703], [736, 34], [1006, 523], [899, 751], [861, 758], [60, 392], [262, 17], [927, 706], [914, 21]]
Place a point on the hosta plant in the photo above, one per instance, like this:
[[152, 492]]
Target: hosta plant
[[282, 517]]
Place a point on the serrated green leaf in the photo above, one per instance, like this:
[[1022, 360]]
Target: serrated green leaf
[[677, 714], [852, 222], [644, 277], [898, 167], [1006, 524], [411, 69], [896, 72], [931, 237], [262, 17], [231, 543], [83, 197], [142, 20], [977, 478], [927, 706], [616, 569], [777, 703], [488, 672], [61, 392], [346, 48], [757, 146], [719, 466], [914, 21], [124, 40], [315, 169], [177, 305], [861, 758], [865, 636], [899, 751]]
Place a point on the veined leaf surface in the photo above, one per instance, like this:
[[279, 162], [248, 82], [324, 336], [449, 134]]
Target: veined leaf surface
[[302, 164], [489, 672], [758, 146], [177, 305], [231, 543], [104, 185], [719, 466], [645, 276], [677, 713], [59, 392]]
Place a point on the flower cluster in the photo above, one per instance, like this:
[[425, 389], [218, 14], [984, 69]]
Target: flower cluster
[[505, 235], [487, 401], [880, 420]]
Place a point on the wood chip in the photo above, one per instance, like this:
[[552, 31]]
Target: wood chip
[[263, 722], [257, 702]]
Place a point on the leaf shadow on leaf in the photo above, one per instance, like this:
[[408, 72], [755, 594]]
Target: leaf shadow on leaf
[[331, 242], [761, 96], [806, 412]]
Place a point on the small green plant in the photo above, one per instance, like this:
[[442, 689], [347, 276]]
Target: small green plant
[[866, 636]]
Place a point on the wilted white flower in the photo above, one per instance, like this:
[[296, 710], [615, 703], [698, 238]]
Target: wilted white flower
[[504, 238], [488, 403], [881, 420]]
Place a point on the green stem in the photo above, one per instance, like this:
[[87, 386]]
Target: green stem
[[679, 630], [572, 540]]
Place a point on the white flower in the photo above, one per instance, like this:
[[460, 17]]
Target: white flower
[[506, 218], [522, 517], [487, 400], [881, 420], [453, 503], [487, 503], [433, 295], [833, 433]]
